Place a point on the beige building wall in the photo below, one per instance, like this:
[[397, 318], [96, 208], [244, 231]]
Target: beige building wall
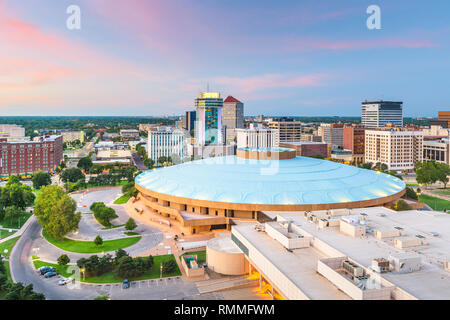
[[398, 149]]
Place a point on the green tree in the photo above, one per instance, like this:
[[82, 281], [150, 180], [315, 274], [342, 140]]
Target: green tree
[[98, 241], [63, 260], [162, 160], [55, 212], [72, 175], [169, 266], [11, 213], [149, 163], [103, 214], [443, 170], [130, 225], [426, 172], [85, 163], [41, 179], [13, 179], [411, 194], [17, 195], [119, 254], [125, 267]]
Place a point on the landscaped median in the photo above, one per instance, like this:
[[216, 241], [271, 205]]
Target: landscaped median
[[123, 199], [109, 277], [78, 246]]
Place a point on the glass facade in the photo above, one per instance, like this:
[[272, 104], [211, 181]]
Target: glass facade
[[209, 118]]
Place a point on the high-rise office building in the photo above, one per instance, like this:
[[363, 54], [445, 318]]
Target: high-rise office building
[[233, 116], [398, 148], [209, 118], [380, 113], [166, 142], [288, 129], [190, 120]]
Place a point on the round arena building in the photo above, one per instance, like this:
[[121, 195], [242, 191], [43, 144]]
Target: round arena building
[[204, 194]]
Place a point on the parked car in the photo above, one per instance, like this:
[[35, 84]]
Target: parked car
[[42, 268], [126, 284], [65, 281], [47, 269], [50, 274]]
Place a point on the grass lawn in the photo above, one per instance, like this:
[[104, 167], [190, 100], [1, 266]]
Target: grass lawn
[[442, 192], [16, 222], [130, 233], [109, 277], [435, 203], [5, 233], [201, 255], [89, 246], [8, 246], [123, 199]]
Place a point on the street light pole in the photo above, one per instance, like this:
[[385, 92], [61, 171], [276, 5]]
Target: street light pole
[[160, 268]]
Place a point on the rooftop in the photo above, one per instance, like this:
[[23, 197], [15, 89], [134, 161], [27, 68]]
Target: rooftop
[[431, 282], [296, 181], [231, 99]]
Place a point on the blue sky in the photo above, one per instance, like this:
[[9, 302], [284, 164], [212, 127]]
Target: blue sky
[[145, 57]]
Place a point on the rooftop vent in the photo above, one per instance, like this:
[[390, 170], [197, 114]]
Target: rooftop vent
[[434, 234]]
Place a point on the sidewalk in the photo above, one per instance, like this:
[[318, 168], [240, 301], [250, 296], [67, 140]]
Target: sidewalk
[[20, 231]]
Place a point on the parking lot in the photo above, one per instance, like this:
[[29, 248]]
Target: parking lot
[[174, 288]]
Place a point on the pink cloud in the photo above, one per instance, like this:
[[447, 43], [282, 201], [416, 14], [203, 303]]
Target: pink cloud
[[268, 81]]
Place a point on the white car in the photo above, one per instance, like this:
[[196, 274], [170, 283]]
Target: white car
[[64, 281]]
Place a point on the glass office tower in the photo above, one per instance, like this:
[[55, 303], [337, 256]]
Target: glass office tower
[[209, 118]]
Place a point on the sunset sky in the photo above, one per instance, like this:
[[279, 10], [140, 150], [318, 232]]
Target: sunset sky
[[151, 58]]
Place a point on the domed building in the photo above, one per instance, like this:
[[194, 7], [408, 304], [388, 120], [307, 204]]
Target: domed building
[[205, 194]]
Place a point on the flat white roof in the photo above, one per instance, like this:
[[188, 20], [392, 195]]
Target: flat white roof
[[299, 266], [431, 282]]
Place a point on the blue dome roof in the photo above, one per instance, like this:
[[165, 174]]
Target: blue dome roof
[[296, 181]]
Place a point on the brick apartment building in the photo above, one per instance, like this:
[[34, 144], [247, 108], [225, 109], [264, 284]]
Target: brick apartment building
[[28, 157]]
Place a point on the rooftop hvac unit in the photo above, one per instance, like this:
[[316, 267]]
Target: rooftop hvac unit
[[380, 265], [434, 234], [352, 268]]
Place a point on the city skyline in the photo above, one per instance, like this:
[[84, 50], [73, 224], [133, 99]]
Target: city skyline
[[151, 58]]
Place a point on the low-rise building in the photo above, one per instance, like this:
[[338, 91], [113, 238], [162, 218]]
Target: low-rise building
[[129, 134], [257, 137], [437, 150], [71, 136], [307, 149]]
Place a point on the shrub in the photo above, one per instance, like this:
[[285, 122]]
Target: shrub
[[63, 260], [401, 205]]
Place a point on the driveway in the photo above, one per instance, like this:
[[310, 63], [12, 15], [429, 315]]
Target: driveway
[[23, 271]]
